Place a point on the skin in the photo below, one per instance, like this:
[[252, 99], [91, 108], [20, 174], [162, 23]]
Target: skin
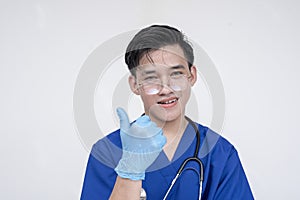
[[170, 117]]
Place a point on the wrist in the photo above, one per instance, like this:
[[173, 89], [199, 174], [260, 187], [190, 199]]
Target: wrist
[[129, 175], [126, 189]]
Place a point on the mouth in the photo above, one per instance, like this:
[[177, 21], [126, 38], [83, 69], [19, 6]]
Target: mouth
[[169, 102]]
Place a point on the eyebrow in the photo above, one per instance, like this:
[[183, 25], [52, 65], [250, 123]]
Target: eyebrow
[[178, 67], [146, 72]]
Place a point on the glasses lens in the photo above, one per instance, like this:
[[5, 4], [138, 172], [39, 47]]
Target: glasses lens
[[179, 83], [151, 89], [153, 85]]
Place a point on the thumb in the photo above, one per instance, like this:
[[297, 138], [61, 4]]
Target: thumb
[[124, 120]]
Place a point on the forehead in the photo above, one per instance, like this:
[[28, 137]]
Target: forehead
[[167, 56]]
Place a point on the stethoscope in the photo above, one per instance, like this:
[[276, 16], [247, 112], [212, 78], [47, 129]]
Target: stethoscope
[[181, 169]]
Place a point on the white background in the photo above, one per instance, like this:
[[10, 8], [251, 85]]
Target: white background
[[43, 44]]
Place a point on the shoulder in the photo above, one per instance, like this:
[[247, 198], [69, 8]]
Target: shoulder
[[224, 174], [108, 150], [100, 175], [112, 138], [213, 142]]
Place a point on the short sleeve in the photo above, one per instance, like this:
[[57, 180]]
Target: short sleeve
[[98, 182], [100, 175], [233, 184]]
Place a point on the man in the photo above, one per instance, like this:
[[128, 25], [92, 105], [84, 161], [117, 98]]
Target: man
[[148, 152]]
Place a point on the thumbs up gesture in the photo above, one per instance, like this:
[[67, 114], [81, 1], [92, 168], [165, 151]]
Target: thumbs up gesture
[[142, 141]]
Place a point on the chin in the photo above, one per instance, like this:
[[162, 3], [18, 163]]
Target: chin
[[174, 116], [167, 116], [162, 114]]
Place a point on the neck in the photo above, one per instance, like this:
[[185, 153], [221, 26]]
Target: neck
[[173, 131], [175, 127], [170, 126]]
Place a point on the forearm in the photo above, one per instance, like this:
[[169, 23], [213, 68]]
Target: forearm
[[126, 189]]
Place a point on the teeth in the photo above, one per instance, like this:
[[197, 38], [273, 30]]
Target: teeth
[[168, 102]]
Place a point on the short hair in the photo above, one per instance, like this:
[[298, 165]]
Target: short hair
[[152, 38]]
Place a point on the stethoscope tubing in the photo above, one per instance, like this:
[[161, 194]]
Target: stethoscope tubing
[[194, 158]]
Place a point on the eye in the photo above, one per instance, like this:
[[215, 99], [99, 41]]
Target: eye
[[151, 79], [176, 74]]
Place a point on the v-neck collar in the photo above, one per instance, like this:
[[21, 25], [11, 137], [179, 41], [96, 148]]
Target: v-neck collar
[[163, 163], [163, 171]]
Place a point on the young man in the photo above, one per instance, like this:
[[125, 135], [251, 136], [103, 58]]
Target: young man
[[148, 152]]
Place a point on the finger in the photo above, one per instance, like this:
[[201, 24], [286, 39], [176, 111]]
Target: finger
[[124, 120]]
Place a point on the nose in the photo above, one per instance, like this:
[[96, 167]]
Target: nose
[[165, 85]]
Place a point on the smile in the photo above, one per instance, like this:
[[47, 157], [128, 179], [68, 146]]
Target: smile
[[168, 102]]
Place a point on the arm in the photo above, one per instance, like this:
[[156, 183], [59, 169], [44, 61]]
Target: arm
[[101, 181], [126, 189], [142, 141]]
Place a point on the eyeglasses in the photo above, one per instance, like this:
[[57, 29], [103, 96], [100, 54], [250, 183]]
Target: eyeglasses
[[152, 84]]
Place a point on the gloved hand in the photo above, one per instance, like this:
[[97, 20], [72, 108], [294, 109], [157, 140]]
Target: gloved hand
[[142, 141]]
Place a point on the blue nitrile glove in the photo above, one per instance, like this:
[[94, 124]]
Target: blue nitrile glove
[[142, 141]]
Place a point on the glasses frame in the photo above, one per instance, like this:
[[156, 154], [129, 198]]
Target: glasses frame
[[159, 85]]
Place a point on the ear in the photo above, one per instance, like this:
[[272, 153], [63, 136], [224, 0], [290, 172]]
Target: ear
[[193, 75], [133, 85]]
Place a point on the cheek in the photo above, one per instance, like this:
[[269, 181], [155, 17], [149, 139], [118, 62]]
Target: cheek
[[185, 96], [148, 101], [152, 108]]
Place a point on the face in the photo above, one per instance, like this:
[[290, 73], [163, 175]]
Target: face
[[164, 83]]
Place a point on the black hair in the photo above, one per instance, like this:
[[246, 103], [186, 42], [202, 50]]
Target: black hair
[[152, 38]]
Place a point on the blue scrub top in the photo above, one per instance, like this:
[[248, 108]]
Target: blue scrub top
[[224, 177]]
